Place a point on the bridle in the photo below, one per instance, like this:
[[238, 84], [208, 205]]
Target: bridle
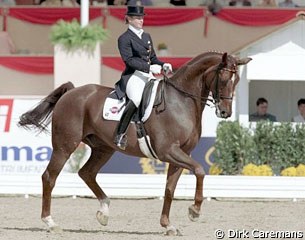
[[216, 96]]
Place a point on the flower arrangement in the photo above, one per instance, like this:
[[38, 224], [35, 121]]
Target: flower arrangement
[[250, 170], [254, 170], [294, 171], [262, 170], [155, 166], [265, 170], [72, 36], [215, 170], [290, 171], [301, 170]]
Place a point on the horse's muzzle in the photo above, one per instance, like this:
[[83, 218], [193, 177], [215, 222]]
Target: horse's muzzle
[[221, 113], [224, 114]]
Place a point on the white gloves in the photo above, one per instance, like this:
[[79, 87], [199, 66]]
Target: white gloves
[[155, 69], [167, 67]]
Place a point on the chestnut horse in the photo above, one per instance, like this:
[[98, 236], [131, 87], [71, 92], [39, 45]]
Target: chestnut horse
[[77, 116]]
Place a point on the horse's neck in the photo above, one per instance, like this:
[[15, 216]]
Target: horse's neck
[[192, 105], [188, 80], [190, 76]]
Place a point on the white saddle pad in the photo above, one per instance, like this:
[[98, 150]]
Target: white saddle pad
[[114, 108]]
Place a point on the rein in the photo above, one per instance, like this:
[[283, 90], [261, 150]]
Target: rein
[[204, 99]]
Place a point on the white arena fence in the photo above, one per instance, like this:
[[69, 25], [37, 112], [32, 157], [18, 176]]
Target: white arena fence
[[152, 185]]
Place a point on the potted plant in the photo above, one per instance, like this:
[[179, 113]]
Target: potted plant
[[162, 49], [77, 52]]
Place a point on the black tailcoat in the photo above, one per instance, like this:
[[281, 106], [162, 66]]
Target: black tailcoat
[[137, 54]]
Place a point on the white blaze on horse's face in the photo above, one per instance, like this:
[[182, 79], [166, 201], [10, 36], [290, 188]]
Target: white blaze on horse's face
[[217, 110]]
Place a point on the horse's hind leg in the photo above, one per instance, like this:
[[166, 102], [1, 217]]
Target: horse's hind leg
[[99, 157], [173, 175], [57, 162]]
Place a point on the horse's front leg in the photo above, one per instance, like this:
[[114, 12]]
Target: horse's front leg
[[179, 158], [173, 175], [194, 210]]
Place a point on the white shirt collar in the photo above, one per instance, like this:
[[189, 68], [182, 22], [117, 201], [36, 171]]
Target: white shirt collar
[[138, 32]]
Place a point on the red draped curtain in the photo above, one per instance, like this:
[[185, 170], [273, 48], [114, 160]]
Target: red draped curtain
[[45, 64], [50, 15], [257, 16], [156, 16], [33, 65], [164, 16]]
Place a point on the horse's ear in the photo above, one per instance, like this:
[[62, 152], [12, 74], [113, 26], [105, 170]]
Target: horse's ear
[[224, 59], [243, 61]]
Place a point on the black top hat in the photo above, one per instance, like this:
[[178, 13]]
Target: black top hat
[[135, 11]]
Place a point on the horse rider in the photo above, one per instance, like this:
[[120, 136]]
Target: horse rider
[[141, 62]]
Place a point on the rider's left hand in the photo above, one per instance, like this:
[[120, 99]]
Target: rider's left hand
[[167, 67]]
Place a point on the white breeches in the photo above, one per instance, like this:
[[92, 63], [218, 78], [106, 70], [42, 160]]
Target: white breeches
[[135, 86]]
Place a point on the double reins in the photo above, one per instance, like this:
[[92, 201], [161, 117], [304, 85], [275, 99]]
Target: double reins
[[216, 98], [202, 99]]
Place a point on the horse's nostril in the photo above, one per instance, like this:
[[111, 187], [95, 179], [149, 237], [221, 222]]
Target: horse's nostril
[[224, 114]]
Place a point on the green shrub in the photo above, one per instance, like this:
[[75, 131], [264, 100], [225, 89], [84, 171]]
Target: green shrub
[[279, 146], [234, 147], [299, 145], [283, 152], [264, 141]]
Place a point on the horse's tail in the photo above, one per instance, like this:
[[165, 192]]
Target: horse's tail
[[40, 116]]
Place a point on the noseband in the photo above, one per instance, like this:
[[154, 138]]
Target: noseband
[[217, 96]]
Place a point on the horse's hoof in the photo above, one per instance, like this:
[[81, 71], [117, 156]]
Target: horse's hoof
[[55, 229], [52, 226], [193, 214], [102, 218], [172, 231]]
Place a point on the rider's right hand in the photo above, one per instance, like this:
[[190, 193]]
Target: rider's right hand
[[155, 69]]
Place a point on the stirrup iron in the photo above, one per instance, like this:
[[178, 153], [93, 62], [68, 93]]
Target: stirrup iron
[[121, 141]]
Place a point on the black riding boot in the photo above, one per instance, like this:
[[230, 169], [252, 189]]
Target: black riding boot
[[121, 137]]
